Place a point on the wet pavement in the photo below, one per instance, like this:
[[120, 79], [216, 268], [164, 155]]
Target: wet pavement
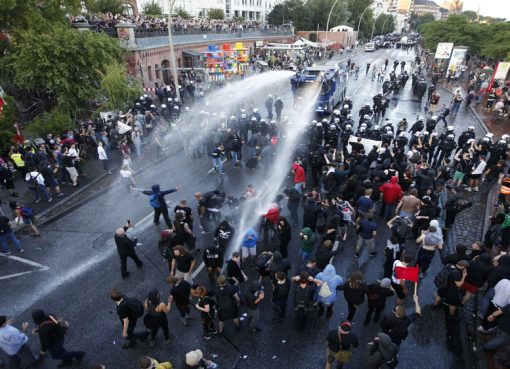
[[77, 266]]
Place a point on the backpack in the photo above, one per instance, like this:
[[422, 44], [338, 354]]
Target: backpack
[[415, 157], [224, 299], [26, 212], [401, 228], [165, 250], [325, 291], [32, 181], [262, 261], [393, 362], [345, 211], [153, 200], [135, 306], [441, 279]]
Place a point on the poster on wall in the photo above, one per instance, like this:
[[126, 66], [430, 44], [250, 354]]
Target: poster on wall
[[457, 59], [444, 50]]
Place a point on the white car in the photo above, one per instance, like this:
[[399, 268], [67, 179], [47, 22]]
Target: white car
[[369, 46]]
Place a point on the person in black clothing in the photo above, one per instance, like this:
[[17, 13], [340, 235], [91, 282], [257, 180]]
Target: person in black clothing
[[340, 344], [294, 198], [281, 288], [459, 254], [228, 302], [477, 273], [235, 274], [354, 293], [126, 248], [52, 338], [278, 264], [310, 267], [186, 211], [324, 254], [311, 212], [224, 233], [205, 305], [304, 292], [129, 310], [213, 260], [377, 293], [397, 325], [284, 235], [180, 294], [423, 217], [156, 316], [157, 201]]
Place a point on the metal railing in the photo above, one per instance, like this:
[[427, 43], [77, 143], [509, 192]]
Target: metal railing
[[157, 32]]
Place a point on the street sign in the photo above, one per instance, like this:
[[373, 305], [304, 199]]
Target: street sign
[[501, 71], [444, 50], [457, 59]]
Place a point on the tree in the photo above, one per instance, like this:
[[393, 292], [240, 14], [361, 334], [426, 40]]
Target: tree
[[119, 88], [471, 15], [53, 121], [7, 121], [497, 46], [182, 13], [386, 21], [312, 36], [416, 21], [152, 8], [290, 11], [356, 8], [104, 6], [318, 12], [216, 13], [68, 68]]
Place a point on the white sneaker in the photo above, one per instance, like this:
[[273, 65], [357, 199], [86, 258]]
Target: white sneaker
[[476, 189], [468, 189]]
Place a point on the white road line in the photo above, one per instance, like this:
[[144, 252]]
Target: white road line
[[41, 267], [210, 170]]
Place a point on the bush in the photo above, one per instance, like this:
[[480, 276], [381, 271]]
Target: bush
[[152, 8], [216, 13], [182, 13], [312, 37], [54, 122]]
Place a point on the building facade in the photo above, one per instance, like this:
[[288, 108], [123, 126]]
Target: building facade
[[422, 7], [247, 9]]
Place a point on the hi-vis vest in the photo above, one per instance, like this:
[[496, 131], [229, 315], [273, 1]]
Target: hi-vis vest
[[18, 161], [505, 186]]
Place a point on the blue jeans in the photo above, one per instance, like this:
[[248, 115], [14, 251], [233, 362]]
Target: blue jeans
[[299, 187], [40, 189], [216, 162], [304, 256], [9, 236], [455, 108], [389, 211], [234, 156]]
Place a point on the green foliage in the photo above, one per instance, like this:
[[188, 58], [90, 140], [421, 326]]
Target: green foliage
[[7, 121], [238, 19], [153, 8], [416, 21], [356, 8], [63, 64], [216, 13], [489, 40], [386, 21], [119, 88], [16, 15], [470, 14], [307, 15], [182, 13], [312, 36], [54, 122], [104, 6]]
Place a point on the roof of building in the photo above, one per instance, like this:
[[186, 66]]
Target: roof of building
[[426, 3]]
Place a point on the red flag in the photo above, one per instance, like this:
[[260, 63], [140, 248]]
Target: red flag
[[409, 273]]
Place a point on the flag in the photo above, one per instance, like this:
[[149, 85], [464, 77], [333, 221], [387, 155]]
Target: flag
[[409, 273]]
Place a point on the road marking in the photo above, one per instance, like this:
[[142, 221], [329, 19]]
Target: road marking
[[41, 267], [210, 170]]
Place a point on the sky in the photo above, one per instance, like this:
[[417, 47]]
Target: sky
[[491, 8]]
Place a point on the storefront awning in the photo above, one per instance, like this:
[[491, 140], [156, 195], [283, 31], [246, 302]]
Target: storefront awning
[[190, 52]]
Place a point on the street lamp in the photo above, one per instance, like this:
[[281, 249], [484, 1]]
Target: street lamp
[[361, 16], [384, 23], [172, 52], [329, 17]]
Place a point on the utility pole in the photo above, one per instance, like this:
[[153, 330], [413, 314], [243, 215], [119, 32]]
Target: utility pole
[[173, 63]]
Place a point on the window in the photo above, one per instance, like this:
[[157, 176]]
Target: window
[[156, 68], [127, 9], [149, 73]]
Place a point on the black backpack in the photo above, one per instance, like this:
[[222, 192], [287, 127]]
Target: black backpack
[[441, 279], [224, 298], [135, 306]]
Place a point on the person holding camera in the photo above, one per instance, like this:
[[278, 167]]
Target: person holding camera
[[126, 248]]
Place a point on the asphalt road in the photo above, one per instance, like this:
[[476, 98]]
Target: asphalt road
[[76, 266]]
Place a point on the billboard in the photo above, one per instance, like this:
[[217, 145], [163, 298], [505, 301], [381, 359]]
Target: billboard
[[457, 59], [444, 50], [501, 71]]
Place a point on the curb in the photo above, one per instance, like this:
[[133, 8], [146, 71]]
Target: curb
[[45, 221]]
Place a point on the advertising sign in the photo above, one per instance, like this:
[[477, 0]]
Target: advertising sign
[[444, 50], [501, 71], [457, 59]]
